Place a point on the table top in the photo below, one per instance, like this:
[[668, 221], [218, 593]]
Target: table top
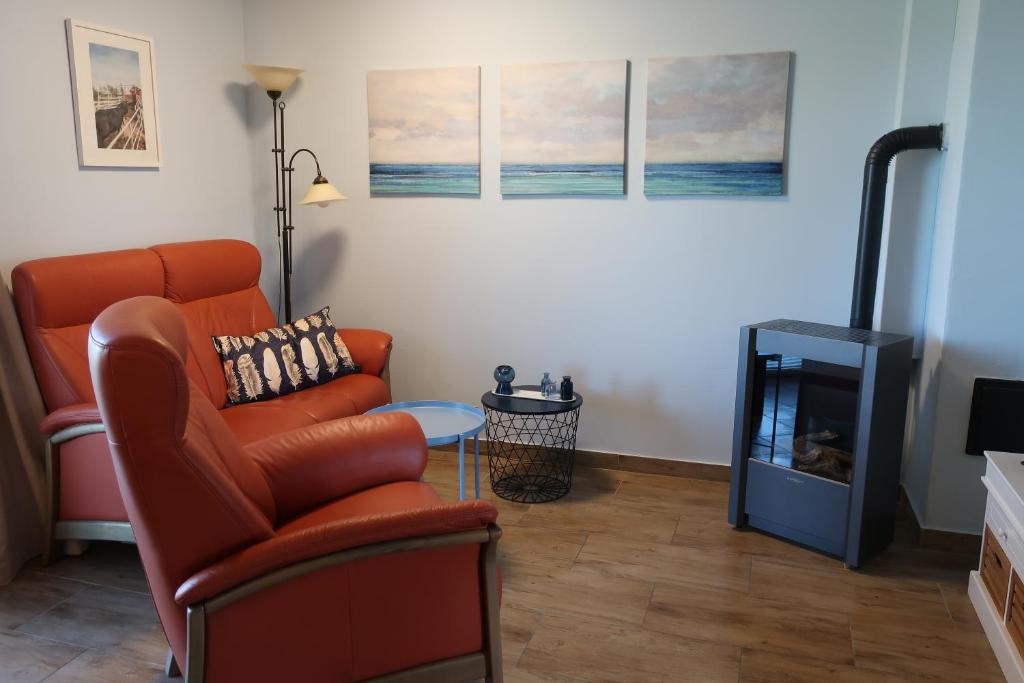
[[528, 406], [441, 421]]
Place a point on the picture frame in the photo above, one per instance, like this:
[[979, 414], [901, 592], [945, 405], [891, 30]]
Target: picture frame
[[564, 128], [424, 131], [717, 125], [113, 86]]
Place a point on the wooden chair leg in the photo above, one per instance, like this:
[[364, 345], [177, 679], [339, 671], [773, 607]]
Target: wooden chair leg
[[51, 551]]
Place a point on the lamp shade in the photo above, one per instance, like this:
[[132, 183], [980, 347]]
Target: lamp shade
[[322, 193], [273, 78]]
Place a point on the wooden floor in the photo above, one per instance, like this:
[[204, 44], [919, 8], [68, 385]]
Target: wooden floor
[[632, 577]]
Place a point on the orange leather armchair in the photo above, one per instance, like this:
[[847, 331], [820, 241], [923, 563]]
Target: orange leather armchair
[[312, 555]]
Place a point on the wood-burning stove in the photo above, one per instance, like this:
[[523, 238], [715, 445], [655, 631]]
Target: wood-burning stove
[[818, 436], [820, 410]]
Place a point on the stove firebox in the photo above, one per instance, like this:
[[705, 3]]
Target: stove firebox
[[820, 413]]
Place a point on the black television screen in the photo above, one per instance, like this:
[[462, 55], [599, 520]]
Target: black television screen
[[997, 416]]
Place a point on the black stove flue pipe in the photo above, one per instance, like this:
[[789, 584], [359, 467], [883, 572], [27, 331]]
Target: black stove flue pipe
[[872, 210]]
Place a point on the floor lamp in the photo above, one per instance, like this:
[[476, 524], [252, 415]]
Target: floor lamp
[[275, 80]]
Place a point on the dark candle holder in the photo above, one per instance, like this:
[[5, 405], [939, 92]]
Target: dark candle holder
[[504, 374]]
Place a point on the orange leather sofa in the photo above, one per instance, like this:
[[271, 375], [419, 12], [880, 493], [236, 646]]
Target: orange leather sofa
[[215, 286], [312, 555]]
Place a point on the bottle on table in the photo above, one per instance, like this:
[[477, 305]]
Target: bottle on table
[[566, 388]]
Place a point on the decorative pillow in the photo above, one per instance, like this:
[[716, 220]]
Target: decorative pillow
[[260, 367], [320, 350]]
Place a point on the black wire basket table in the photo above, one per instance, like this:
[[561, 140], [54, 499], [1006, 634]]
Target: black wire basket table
[[531, 446]]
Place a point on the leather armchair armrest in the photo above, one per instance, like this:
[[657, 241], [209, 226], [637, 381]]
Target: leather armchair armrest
[[291, 548], [369, 348], [70, 416], [312, 465]]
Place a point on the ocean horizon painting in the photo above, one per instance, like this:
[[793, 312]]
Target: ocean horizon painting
[[424, 127], [717, 125], [563, 129]]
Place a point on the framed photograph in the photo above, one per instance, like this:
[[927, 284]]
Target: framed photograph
[[114, 91]]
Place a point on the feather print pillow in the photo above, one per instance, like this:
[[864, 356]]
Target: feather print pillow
[[321, 352], [282, 360], [260, 367]]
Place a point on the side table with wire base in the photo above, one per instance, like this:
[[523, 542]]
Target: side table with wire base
[[531, 446]]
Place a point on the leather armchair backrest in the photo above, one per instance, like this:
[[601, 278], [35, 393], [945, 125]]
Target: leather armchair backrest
[[192, 495], [58, 298], [215, 284]]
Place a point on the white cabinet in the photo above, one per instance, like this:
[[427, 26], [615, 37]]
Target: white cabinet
[[997, 589]]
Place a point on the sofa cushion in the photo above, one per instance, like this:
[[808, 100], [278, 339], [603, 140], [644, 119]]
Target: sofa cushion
[[365, 391], [320, 349], [321, 403], [235, 314], [343, 397], [216, 285], [63, 370], [58, 298], [260, 367], [199, 270]]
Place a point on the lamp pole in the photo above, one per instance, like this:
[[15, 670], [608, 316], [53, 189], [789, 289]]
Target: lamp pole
[[275, 80], [286, 241], [282, 201]]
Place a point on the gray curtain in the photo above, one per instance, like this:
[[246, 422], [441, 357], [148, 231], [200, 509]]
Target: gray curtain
[[22, 471]]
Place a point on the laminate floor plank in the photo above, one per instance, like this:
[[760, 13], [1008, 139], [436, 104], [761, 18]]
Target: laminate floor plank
[[657, 562], [844, 591], [24, 659], [744, 621], [604, 652], [564, 591], [913, 645], [107, 619], [758, 666], [31, 594]]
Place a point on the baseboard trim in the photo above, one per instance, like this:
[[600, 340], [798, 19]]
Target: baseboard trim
[[630, 463], [937, 539], [931, 539]]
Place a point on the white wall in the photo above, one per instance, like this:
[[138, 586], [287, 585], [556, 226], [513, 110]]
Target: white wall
[[640, 300], [925, 385], [50, 205], [905, 265], [984, 325]]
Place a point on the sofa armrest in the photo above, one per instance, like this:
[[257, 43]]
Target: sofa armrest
[[288, 549], [369, 348], [312, 465], [70, 416]]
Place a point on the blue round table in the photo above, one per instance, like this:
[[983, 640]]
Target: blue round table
[[445, 422]]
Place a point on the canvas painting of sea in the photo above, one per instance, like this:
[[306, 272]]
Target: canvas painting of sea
[[563, 128], [424, 131], [716, 125]]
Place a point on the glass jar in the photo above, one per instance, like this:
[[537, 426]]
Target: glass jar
[[547, 386]]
